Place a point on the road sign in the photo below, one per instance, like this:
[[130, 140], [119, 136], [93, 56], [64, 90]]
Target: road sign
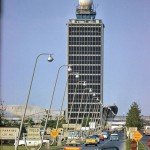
[[54, 133], [33, 133], [8, 133], [137, 136]]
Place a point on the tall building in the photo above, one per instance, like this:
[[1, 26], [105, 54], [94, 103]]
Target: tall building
[[85, 56]]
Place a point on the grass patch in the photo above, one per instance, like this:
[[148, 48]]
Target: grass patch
[[23, 148], [140, 145]]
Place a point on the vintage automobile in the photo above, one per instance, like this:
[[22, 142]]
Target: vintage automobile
[[105, 134], [114, 137], [91, 140], [73, 145]]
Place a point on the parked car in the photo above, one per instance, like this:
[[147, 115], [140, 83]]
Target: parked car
[[91, 140], [105, 134], [114, 137]]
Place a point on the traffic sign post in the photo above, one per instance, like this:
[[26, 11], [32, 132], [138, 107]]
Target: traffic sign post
[[137, 137], [54, 133]]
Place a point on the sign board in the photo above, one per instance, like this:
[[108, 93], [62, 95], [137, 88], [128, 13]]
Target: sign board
[[48, 130], [8, 133], [72, 126], [137, 136], [54, 133], [33, 133], [131, 131]]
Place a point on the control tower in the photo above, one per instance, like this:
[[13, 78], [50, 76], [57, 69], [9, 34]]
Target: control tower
[[85, 55]]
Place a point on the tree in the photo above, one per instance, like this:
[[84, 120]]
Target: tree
[[29, 122], [2, 113], [133, 118]]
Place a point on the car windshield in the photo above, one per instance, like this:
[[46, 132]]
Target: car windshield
[[104, 133]]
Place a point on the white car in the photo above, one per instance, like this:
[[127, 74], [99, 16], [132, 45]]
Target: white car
[[114, 137]]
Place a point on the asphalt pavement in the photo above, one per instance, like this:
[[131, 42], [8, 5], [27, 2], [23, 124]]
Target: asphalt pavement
[[107, 143]]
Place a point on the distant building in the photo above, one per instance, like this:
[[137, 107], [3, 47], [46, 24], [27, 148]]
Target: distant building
[[85, 55]]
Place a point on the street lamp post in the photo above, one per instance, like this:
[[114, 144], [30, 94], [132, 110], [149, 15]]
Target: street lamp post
[[50, 59], [69, 113], [86, 107], [89, 112], [76, 76], [101, 115], [51, 102], [90, 90], [97, 112]]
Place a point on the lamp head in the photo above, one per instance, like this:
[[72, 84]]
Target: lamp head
[[69, 69], [84, 83], [77, 75], [50, 58], [90, 90], [94, 94]]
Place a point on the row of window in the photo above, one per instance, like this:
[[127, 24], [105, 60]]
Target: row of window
[[85, 33], [87, 77], [85, 48], [84, 51], [84, 62], [84, 28], [84, 25], [89, 43], [74, 81], [85, 67], [80, 91], [81, 115], [85, 58], [84, 39], [70, 91]]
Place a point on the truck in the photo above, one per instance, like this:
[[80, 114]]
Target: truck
[[147, 130]]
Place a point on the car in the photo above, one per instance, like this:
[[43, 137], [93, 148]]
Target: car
[[114, 137], [97, 137], [73, 145], [105, 134], [91, 140]]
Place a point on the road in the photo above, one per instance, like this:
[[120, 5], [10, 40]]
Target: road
[[120, 144]]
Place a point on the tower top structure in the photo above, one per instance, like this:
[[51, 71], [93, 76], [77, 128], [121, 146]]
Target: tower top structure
[[85, 10], [85, 3]]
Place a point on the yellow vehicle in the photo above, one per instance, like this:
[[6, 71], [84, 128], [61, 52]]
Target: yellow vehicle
[[73, 145], [91, 140]]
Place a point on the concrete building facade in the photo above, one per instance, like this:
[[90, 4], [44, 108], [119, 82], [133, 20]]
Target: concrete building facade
[[85, 56]]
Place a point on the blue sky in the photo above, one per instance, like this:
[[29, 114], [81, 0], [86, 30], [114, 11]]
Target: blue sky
[[31, 27]]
